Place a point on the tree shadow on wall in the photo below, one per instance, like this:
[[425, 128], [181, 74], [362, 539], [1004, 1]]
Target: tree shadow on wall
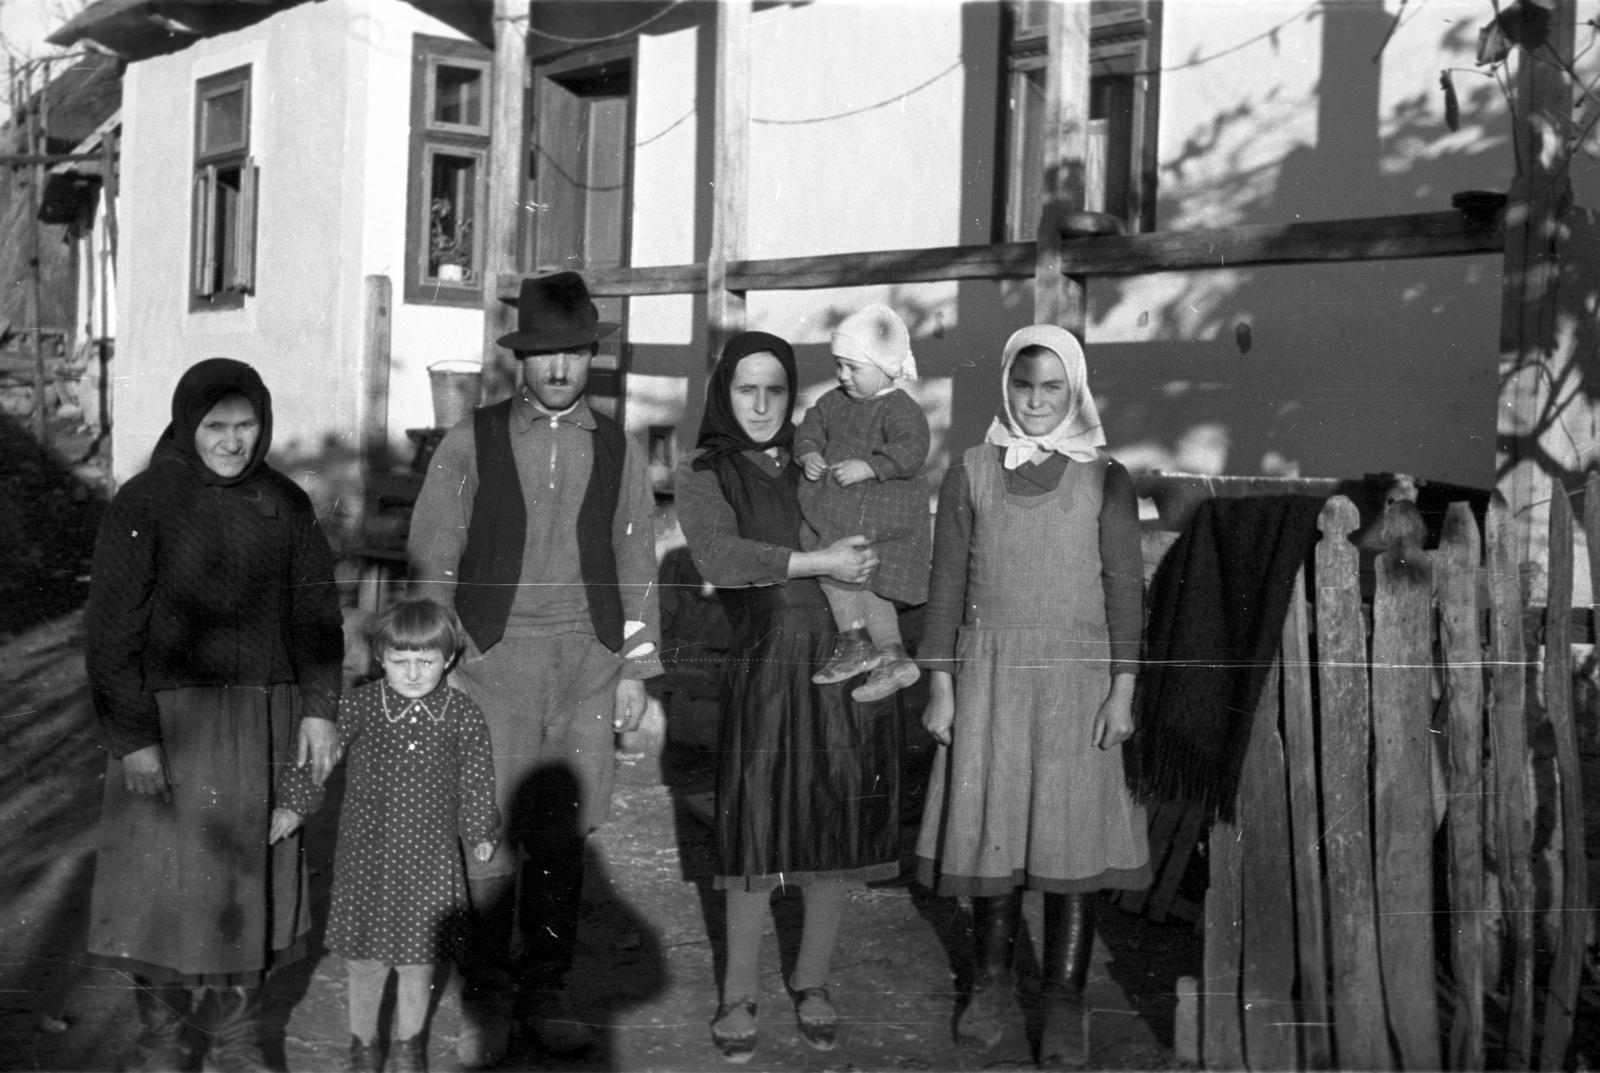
[[1364, 367]]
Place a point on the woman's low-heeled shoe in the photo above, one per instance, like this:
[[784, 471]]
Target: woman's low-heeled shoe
[[821, 1034], [735, 1047]]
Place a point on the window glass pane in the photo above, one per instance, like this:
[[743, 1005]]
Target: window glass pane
[[458, 95], [453, 187], [1121, 9], [222, 118], [1027, 152], [1111, 116], [1032, 18], [227, 238]]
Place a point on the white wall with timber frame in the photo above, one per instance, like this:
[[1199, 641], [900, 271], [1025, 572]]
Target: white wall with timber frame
[[874, 127]]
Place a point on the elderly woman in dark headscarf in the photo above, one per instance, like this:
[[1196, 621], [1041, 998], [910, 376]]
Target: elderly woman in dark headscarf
[[214, 649], [808, 780]]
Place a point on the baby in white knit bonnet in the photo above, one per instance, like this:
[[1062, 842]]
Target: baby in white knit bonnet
[[862, 447]]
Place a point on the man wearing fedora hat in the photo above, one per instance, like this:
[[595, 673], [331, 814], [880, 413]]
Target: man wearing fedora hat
[[535, 524]]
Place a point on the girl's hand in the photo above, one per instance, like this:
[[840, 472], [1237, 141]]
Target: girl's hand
[[628, 705], [284, 823], [1113, 723], [851, 471], [940, 714], [144, 771], [814, 466], [483, 851]]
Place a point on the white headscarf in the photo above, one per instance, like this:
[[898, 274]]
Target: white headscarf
[[875, 335], [1079, 432]]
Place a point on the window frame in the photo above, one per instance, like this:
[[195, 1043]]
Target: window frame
[[431, 138], [214, 283], [1124, 43]]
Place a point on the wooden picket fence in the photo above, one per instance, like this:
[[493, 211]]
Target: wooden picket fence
[[1322, 912]]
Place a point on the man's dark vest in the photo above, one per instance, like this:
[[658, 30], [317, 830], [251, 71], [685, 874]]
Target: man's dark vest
[[491, 566]]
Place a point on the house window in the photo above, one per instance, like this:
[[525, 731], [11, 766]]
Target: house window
[[580, 180], [1120, 158], [223, 226], [449, 163]]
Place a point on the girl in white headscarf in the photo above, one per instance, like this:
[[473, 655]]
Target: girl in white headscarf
[[1032, 638]]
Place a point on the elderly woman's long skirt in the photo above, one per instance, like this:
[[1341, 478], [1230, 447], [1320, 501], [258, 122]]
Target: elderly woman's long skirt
[[190, 889], [808, 783]]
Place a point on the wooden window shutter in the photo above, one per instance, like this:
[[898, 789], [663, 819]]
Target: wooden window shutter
[[244, 265], [205, 229]]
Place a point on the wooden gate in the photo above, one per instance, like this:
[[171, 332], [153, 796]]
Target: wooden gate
[[1386, 749]]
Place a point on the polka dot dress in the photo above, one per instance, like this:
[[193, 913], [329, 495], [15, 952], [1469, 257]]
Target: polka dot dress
[[420, 782]]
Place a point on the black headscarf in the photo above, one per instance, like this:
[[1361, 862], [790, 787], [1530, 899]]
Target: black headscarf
[[720, 432], [201, 387]]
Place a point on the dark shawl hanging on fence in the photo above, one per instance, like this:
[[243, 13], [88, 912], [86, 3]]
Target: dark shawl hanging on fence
[[1217, 605]]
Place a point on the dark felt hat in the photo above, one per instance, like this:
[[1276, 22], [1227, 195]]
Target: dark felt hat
[[553, 312]]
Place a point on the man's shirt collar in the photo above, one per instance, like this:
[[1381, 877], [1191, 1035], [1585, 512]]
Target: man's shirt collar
[[527, 412]]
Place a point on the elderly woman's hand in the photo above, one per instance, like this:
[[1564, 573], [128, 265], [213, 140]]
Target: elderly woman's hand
[[319, 743], [144, 771]]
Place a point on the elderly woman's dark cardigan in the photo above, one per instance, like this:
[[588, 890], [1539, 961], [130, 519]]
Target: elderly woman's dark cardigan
[[204, 584]]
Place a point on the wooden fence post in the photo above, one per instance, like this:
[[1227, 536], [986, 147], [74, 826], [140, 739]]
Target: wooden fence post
[[1360, 1038], [1300, 745], [1266, 893], [1561, 998], [377, 318], [1509, 750], [1221, 1035], [1456, 580], [1402, 659]]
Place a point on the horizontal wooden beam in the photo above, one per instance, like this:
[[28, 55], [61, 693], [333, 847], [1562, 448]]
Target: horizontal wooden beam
[[1005, 260], [1378, 238], [17, 160], [624, 282]]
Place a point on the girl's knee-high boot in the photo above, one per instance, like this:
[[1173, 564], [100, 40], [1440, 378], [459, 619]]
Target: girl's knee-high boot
[[993, 1002], [1068, 946], [233, 1022], [162, 1047]]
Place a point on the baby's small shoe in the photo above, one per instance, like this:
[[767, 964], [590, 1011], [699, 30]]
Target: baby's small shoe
[[897, 671], [853, 653]]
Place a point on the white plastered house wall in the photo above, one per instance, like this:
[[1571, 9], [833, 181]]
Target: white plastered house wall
[[873, 128], [329, 131]]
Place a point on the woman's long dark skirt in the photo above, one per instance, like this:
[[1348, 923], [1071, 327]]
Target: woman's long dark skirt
[[808, 781], [189, 891]]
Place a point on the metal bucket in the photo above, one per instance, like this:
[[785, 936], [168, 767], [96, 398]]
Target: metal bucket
[[455, 390]]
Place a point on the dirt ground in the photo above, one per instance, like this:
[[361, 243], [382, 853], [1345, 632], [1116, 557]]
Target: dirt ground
[[649, 939]]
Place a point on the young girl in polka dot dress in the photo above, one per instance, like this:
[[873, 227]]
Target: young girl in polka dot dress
[[419, 788]]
